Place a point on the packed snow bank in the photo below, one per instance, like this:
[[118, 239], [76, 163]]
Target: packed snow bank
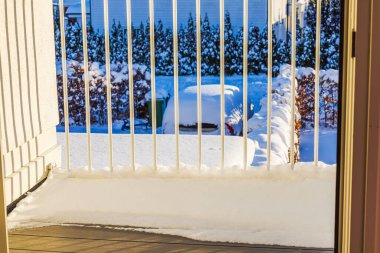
[[280, 122], [188, 144], [283, 207]]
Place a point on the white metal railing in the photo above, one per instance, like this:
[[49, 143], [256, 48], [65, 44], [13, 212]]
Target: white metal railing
[[245, 82], [64, 81], [176, 101], [222, 103], [269, 90], [153, 80], [316, 96], [199, 81], [108, 83], [86, 84], [293, 78], [130, 82]]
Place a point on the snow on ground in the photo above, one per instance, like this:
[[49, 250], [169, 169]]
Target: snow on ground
[[327, 145], [188, 144], [282, 207]]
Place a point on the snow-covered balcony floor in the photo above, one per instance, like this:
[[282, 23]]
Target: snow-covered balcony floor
[[280, 207]]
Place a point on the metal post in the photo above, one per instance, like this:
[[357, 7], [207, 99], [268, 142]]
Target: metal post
[[64, 82], [245, 81], [316, 95], [130, 82], [108, 83], [86, 83], [199, 84], [175, 61], [269, 88], [153, 81], [293, 76], [222, 102]]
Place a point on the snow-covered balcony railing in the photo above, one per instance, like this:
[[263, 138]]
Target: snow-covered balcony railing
[[287, 81]]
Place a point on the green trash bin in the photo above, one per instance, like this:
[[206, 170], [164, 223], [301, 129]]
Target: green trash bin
[[160, 109]]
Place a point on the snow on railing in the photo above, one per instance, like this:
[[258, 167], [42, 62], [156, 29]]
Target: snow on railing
[[199, 66]]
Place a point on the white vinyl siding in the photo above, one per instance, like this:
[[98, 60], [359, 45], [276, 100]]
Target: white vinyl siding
[[257, 11]]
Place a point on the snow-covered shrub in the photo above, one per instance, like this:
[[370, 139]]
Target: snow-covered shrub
[[305, 99], [328, 100], [98, 92], [329, 97]]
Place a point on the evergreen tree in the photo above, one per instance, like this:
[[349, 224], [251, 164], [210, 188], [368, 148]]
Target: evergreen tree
[[57, 34], [263, 51], [306, 48], [231, 54], [239, 50], [140, 46], [254, 50], [187, 48], [118, 44], [277, 54], [330, 35], [163, 52], [74, 46], [95, 46], [182, 59], [210, 51], [311, 14], [146, 56], [283, 53], [306, 38]]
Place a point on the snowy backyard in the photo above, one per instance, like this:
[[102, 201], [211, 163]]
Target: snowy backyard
[[257, 131]]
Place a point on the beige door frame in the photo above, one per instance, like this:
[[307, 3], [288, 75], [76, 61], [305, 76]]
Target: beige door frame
[[4, 247], [359, 215]]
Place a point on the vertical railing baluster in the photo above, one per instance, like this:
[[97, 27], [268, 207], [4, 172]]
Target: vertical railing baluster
[[130, 83], [176, 99], [153, 81], [269, 88], [222, 102], [245, 81], [316, 95], [64, 81], [199, 84], [86, 83], [108, 83], [293, 84]]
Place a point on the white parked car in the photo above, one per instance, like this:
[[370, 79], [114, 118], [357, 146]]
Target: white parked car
[[210, 110]]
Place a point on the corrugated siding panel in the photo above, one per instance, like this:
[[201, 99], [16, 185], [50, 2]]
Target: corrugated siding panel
[[28, 104]]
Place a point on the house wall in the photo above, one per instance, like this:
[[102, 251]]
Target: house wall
[[163, 10], [28, 100]]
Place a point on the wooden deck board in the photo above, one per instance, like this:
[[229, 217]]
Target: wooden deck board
[[101, 239]]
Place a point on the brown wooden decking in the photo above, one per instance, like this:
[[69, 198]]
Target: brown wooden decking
[[100, 239]]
